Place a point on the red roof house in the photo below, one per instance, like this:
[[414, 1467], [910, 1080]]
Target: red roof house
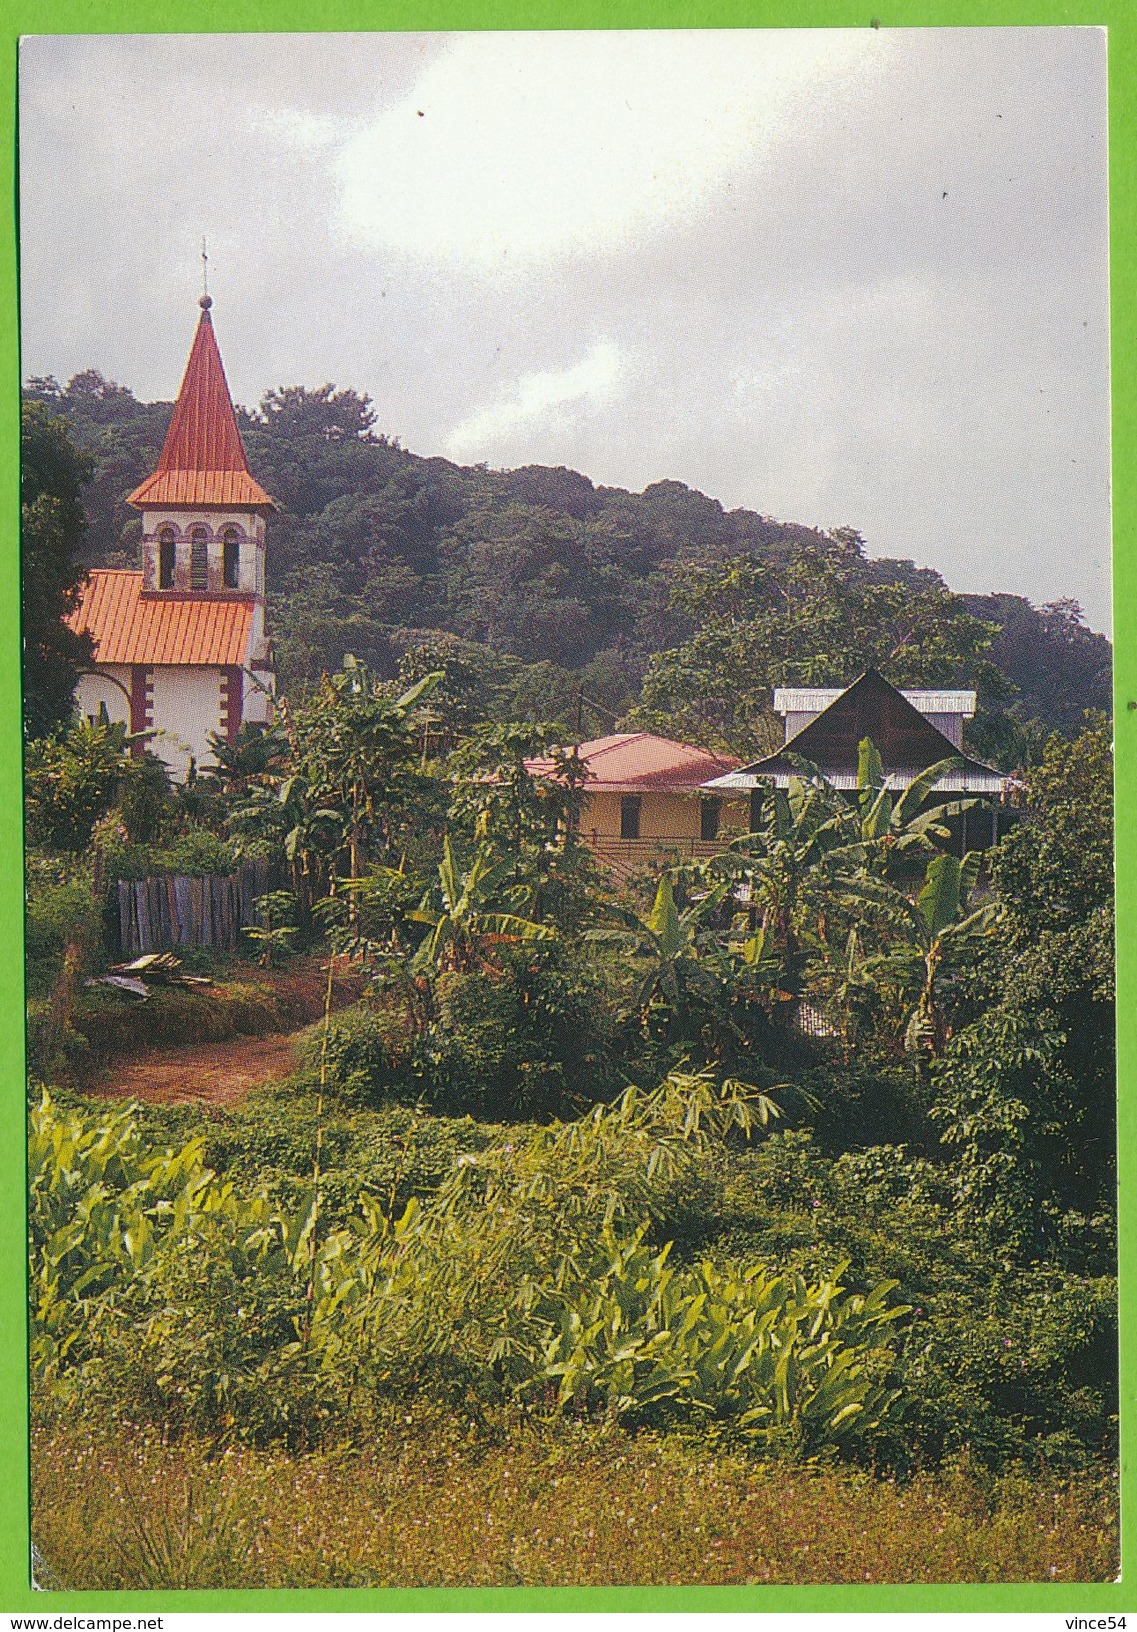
[[644, 799]]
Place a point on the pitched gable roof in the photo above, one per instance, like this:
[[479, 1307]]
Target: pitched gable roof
[[639, 762], [202, 459], [906, 740], [870, 707], [130, 627]]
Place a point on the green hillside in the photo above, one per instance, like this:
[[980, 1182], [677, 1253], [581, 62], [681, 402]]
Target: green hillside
[[559, 600]]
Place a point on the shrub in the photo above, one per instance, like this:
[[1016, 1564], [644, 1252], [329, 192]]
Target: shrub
[[156, 1287], [389, 1155], [60, 913], [192, 853], [1024, 1366], [781, 1361], [1003, 1358], [526, 1038], [367, 1052], [71, 780]]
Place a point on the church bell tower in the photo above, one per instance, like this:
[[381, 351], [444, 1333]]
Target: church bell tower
[[203, 514]]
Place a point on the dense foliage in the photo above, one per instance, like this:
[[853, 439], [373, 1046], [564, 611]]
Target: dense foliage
[[889, 1233], [286, 1329], [559, 600], [803, 1149], [52, 522]]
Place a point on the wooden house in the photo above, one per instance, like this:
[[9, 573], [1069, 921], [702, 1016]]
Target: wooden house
[[911, 729]]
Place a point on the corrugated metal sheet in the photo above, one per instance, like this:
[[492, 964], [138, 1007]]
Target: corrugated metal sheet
[[161, 628], [202, 459], [813, 699], [638, 762], [977, 781], [179, 488]]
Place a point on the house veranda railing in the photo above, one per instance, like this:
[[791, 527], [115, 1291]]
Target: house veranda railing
[[627, 858]]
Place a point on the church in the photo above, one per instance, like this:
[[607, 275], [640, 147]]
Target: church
[[179, 647]]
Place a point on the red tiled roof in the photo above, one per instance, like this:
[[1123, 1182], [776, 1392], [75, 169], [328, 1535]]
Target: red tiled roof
[[130, 627], [638, 762], [203, 459]]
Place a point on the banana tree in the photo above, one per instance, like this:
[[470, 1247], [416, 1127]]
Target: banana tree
[[937, 927], [812, 842], [257, 756], [784, 874], [890, 824], [282, 813], [464, 907], [673, 949], [357, 749], [881, 824]]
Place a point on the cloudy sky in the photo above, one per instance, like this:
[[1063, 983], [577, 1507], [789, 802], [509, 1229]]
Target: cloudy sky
[[843, 278]]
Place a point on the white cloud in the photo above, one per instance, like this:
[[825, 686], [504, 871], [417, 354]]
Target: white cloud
[[595, 380], [511, 148], [307, 131]]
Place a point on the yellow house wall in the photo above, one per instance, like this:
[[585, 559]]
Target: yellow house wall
[[600, 816], [669, 816], [662, 815]]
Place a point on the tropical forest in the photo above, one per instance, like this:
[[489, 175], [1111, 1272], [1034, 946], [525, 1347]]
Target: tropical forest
[[483, 1217]]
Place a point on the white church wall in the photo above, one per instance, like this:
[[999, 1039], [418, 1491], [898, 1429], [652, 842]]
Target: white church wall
[[250, 530], [95, 690], [187, 707], [250, 524], [257, 707]]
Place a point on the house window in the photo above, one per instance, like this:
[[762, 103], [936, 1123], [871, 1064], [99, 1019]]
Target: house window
[[199, 559], [709, 812], [630, 817], [167, 558], [231, 557]]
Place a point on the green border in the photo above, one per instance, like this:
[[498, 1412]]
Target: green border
[[206, 16]]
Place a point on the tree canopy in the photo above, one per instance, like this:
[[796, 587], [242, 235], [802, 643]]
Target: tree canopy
[[52, 473], [583, 602]]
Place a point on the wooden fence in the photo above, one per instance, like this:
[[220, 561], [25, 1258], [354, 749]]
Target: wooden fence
[[159, 914], [629, 858]]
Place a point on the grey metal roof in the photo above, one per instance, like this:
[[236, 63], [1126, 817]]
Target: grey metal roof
[[964, 781], [810, 699]]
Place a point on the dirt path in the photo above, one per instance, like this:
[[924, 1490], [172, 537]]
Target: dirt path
[[222, 1072], [202, 1073]]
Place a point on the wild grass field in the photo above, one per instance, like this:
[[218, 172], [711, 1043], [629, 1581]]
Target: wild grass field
[[443, 1501]]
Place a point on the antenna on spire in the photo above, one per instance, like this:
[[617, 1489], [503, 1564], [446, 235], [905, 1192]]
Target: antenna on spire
[[205, 302]]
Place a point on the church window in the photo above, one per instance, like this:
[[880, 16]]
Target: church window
[[199, 559], [167, 557], [231, 557]]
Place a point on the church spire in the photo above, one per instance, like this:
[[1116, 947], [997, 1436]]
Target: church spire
[[203, 459]]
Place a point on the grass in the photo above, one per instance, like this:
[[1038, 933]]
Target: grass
[[432, 1503]]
